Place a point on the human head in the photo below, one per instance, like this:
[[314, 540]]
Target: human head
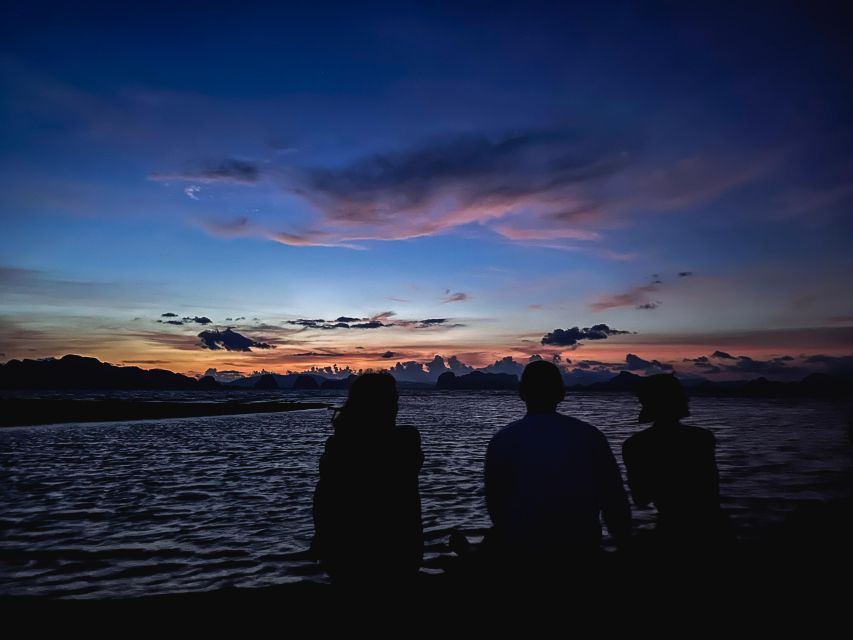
[[541, 387], [663, 399], [371, 403]]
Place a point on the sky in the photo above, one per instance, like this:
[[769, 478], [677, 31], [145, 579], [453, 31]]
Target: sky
[[288, 186]]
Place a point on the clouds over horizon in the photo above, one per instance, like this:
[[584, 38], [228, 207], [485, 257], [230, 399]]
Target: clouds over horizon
[[229, 340], [571, 337], [723, 362], [373, 322], [185, 320]]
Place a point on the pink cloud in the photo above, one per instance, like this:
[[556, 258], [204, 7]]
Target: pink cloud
[[632, 298]]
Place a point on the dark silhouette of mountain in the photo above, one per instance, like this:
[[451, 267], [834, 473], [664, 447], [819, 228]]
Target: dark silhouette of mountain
[[625, 381], [208, 382], [306, 382], [408, 384], [335, 383], [477, 380], [78, 372], [249, 382], [815, 385], [266, 382]]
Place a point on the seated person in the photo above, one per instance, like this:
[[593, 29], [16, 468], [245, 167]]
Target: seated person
[[367, 509], [673, 466]]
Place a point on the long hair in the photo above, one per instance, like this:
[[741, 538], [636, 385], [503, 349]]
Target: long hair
[[371, 405]]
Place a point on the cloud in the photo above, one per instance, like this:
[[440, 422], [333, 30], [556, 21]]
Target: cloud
[[192, 191], [722, 362], [432, 321], [229, 375], [429, 323], [636, 363], [640, 297], [233, 228], [457, 366], [317, 354], [456, 297], [554, 187], [570, 337], [409, 371], [390, 354], [833, 364], [377, 321], [722, 355], [229, 340], [504, 365], [184, 320], [383, 316], [451, 181], [337, 324], [231, 170], [636, 297]]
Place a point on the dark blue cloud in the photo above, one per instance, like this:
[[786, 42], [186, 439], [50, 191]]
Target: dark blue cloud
[[570, 337], [229, 340]]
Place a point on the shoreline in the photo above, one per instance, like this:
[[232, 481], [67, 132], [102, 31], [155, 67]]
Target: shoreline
[[29, 413]]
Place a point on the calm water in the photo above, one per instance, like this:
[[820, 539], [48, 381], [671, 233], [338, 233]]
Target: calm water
[[133, 508]]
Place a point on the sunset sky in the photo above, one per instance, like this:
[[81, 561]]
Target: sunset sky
[[244, 186]]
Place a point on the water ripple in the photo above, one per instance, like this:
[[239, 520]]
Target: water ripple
[[122, 509]]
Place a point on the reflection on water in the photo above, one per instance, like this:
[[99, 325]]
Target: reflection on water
[[121, 509]]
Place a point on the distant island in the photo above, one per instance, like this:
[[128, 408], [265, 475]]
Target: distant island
[[73, 372], [477, 380]]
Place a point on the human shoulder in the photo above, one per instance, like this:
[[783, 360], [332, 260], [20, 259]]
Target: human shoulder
[[575, 423], [700, 434], [506, 434], [638, 440], [406, 437], [586, 430]]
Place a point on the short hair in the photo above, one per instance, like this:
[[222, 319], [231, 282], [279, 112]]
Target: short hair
[[662, 397], [541, 384]]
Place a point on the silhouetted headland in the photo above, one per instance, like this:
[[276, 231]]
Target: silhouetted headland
[[477, 380], [73, 372], [79, 372]]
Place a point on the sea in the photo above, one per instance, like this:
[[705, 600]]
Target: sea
[[126, 509]]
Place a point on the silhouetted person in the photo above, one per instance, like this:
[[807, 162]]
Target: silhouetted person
[[367, 510], [549, 477], [673, 466]]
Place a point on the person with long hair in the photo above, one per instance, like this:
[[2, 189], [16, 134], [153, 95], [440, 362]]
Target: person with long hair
[[672, 466], [367, 509]]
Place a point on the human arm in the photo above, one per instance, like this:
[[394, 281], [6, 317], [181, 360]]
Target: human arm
[[497, 482], [615, 509], [320, 507], [638, 480]]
